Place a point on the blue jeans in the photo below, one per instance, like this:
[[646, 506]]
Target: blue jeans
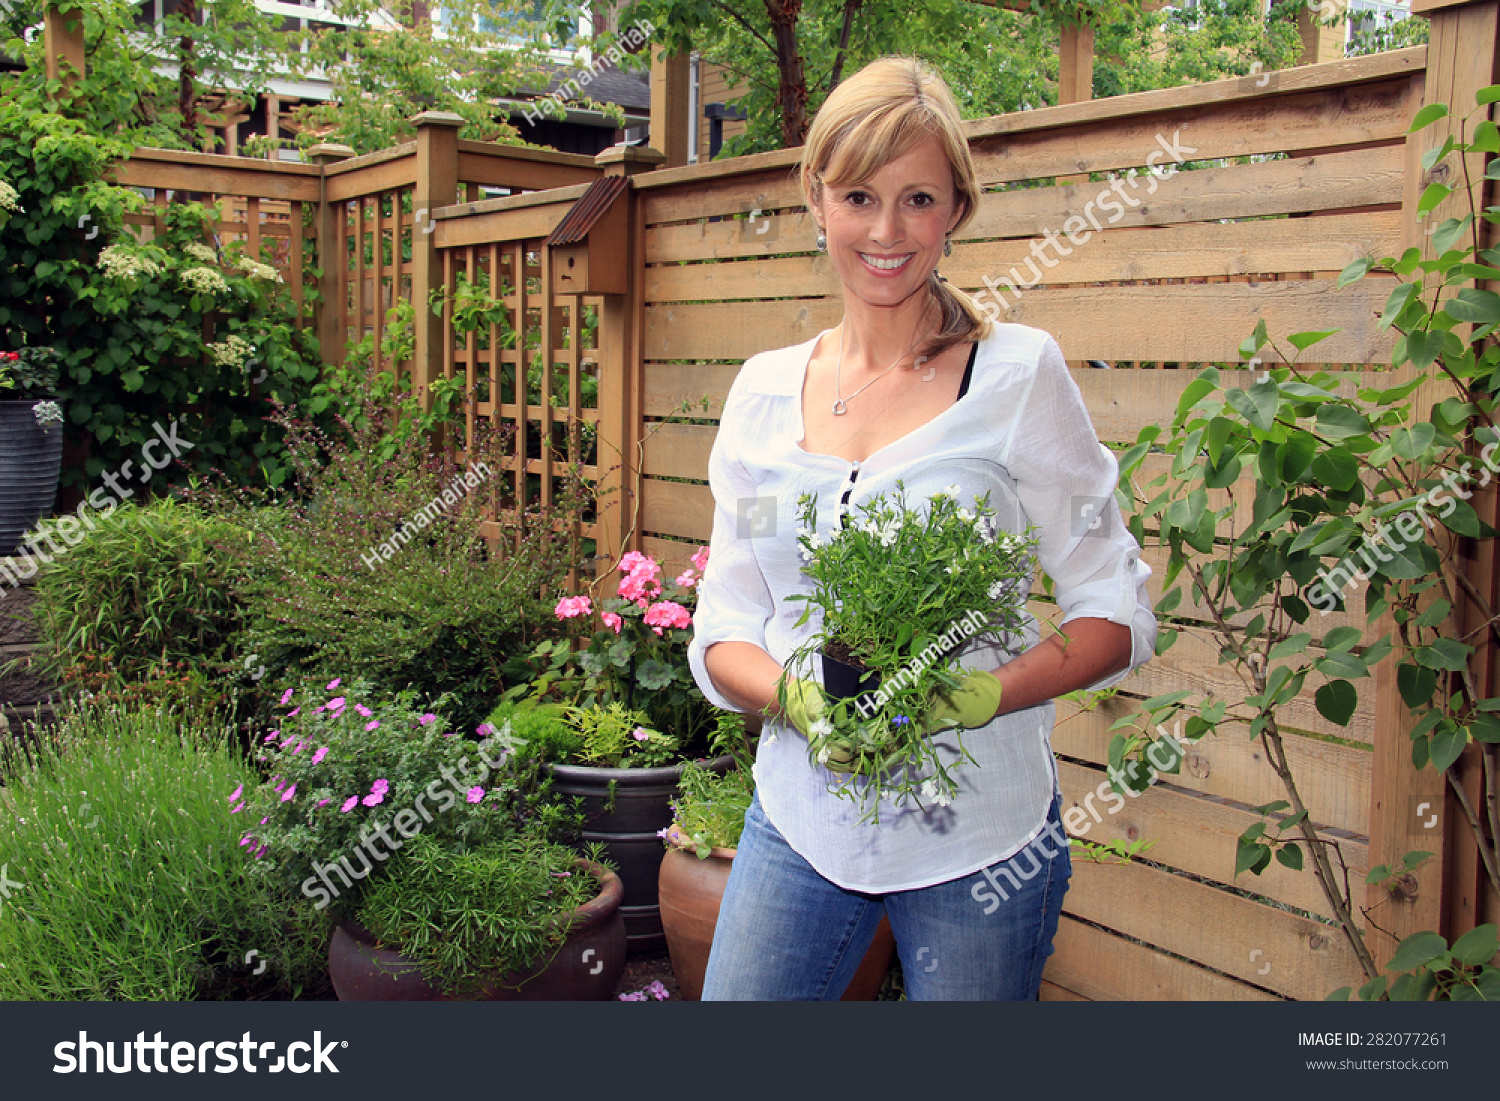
[[787, 934]]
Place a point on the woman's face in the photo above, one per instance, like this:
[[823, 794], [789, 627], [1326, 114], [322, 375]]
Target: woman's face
[[885, 236]]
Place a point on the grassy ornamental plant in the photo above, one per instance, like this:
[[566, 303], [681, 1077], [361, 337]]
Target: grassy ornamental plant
[[601, 735], [953, 576], [710, 809], [132, 886]]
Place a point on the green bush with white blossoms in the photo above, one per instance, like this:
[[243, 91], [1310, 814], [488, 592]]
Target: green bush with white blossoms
[[953, 576]]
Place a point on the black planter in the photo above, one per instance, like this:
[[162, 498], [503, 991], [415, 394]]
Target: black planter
[[30, 462], [629, 825], [842, 681]]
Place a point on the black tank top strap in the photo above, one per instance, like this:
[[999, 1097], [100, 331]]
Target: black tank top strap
[[963, 387]]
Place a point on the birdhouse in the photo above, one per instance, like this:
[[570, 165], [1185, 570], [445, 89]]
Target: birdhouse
[[589, 245]]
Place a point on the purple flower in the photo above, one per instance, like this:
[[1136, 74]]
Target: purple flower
[[236, 793], [484, 730], [324, 802], [427, 718], [294, 711], [382, 786], [373, 724], [474, 794], [349, 804], [263, 821], [271, 737], [640, 734], [237, 809], [246, 840], [336, 704], [286, 697], [288, 793], [658, 991], [334, 683], [363, 710], [374, 799], [319, 755]]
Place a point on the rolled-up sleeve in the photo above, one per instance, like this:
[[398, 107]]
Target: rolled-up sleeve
[[1066, 480], [734, 602]]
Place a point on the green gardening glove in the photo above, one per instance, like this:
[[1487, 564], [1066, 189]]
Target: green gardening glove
[[806, 707], [973, 703]]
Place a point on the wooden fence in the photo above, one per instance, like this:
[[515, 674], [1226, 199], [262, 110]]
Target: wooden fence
[[687, 272]]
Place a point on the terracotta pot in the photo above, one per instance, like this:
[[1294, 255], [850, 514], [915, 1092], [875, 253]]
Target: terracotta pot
[[628, 819], [587, 967], [691, 891]]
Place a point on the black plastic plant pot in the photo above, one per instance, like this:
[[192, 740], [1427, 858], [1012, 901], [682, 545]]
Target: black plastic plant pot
[[842, 681]]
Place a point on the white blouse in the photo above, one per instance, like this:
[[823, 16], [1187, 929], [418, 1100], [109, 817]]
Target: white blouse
[[1020, 433]]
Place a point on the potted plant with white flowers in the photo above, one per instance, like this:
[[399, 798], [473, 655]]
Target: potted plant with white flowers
[[955, 577], [30, 440]]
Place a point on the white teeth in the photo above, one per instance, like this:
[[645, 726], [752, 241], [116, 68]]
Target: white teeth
[[884, 265]]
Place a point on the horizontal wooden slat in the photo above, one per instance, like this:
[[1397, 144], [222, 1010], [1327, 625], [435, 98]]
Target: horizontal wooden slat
[[1181, 323], [1187, 251], [386, 175], [217, 179], [1271, 948], [1192, 833], [500, 170], [1334, 780], [1103, 967]]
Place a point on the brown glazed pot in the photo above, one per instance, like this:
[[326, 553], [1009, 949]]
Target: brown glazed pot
[[690, 891], [586, 969]]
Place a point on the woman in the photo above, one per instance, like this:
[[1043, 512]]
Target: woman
[[913, 384]]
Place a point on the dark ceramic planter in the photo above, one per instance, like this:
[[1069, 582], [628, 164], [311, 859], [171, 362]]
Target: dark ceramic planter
[[30, 462], [629, 824], [691, 893], [586, 969]]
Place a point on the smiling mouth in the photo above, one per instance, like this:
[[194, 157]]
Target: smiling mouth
[[883, 264]]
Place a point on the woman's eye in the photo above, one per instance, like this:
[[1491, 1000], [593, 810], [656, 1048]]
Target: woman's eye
[[856, 198], [922, 200]]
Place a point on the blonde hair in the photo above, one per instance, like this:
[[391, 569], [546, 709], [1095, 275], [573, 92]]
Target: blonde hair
[[879, 114]]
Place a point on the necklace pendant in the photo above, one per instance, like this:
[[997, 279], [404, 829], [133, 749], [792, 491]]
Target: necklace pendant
[[840, 407]]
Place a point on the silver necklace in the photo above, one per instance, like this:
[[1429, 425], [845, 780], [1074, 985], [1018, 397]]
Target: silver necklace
[[841, 404]]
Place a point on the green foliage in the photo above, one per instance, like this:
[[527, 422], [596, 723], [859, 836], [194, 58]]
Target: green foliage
[[710, 807], [616, 737], [146, 334], [146, 589], [540, 729], [379, 571], [996, 60], [1347, 487], [928, 562], [1427, 968], [347, 767], [30, 372], [133, 886], [479, 916]]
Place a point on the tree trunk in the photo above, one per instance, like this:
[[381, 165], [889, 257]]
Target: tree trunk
[[187, 74], [792, 95]]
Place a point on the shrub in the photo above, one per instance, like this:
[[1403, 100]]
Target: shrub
[[133, 885], [148, 589], [378, 570]]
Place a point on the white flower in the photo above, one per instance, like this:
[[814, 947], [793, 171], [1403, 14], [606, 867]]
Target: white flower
[[768, 736], [204, 280], [10, 198], [821, 728], [48, 414], [256, 270], [996, 589], [948, 491], [201, 252], [233, 351], [954, 570], [965, 514], [823, 755], [121, 262], [932, 794]]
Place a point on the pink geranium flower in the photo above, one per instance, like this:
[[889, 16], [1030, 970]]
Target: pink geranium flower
[[374, 799], [687, 579], [474, 794], [336, 704], [613, 621], [665, 613], [640, 734], [700, 560], [349, 804], [373, 724], [363, 710], [427, 718], [632, 560], [570, 607]]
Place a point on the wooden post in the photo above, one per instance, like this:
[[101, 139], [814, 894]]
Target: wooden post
[[621, 366], [66, 55], [331, 262], [670, 77], [1410, 809], [437, 186], [1075, 77]]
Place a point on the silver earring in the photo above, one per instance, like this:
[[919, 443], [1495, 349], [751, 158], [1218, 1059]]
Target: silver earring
[[947, 246], [822, 241]]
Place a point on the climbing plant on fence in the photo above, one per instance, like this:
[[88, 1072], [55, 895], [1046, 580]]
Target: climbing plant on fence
[[1355, 492], [179, 328]]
